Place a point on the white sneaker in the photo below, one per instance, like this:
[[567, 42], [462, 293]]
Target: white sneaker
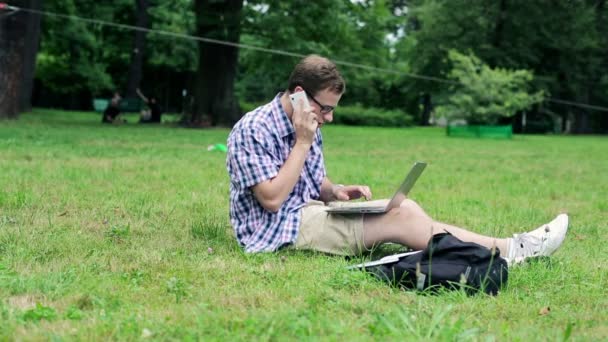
[[542, 241]]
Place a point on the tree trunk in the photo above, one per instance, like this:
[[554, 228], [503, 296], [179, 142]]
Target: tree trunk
[[17, 55], [214, 84], [498, 36], [582, 122], [32, 43], [427, 108], [601, 19], [139, 42]]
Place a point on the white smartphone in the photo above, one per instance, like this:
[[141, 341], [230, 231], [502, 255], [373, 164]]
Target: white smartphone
[[296, 97]]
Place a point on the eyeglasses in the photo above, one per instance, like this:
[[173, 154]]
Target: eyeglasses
[[324, 108]]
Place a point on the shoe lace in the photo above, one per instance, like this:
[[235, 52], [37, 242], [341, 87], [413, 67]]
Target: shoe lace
[[527, 245]]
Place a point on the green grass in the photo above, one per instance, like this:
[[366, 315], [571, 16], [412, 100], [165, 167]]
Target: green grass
[[122, 233]]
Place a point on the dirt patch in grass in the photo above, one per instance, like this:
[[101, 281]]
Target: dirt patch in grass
[[23, 302]]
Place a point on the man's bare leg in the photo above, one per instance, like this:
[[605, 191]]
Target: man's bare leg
[[409, 225]]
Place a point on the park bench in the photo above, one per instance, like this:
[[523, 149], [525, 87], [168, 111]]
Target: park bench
[[127, 105], [130, 105], [100, 104]]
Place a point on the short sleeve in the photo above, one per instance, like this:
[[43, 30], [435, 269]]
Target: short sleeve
[[251, 158]]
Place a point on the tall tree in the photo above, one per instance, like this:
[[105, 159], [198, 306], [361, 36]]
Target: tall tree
[[600, 86], [349, 31], [142, 19], [214, 90], [19, 32]]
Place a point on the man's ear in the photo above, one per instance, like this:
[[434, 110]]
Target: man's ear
[[298, 89]]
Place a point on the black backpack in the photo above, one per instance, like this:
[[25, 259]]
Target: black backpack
[[447, 262]]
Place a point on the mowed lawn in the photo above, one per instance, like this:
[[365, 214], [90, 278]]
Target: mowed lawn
[[122, 233]]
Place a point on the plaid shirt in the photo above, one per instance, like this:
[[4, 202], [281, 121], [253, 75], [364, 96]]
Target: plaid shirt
[[258, 146]]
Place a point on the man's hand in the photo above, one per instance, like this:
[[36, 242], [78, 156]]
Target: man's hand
[[351, 192], [305, 123]]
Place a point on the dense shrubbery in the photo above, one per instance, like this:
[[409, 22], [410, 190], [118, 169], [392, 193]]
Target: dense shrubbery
[[360, 116]]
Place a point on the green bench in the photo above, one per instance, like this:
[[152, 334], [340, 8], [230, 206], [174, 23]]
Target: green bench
[[130, 105], [100, 104], [126, 105]]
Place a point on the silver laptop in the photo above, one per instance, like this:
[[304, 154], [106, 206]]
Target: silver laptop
[[398, 197]]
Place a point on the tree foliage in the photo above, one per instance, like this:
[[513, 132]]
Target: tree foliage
[[563, 43], [353, 32], [391, 52], [167, 52], [80, 59], [482, 95], [76, 56]]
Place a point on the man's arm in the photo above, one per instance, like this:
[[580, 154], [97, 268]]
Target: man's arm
[[332, 192], [141, 96], [328, 189], [272, 193]]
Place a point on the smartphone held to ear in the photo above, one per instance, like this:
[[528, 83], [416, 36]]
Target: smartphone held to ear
[[299, 98]]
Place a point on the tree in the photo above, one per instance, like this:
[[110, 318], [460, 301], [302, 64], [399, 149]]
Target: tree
[[171, 63], [78, 59], [356, 32], [142, 19], [562, 42], [19, 34], [483, 95], [217, 64], [32, 42], [180, 55]]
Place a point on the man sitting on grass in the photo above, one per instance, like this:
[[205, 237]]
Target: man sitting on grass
[[112, 113], [153, 113], [279, 189]]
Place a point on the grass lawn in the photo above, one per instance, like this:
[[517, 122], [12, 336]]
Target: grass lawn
[[122, 233]]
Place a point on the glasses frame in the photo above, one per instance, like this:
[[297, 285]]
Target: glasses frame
[[324, 108]]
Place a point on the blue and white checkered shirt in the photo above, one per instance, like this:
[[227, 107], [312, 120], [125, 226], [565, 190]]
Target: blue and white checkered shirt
[[258, 146]]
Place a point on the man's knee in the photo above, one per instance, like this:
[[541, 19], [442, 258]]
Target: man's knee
[[410, 209], [411, 205]]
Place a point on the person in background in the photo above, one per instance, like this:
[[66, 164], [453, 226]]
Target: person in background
[[112, 112], [153, 113]]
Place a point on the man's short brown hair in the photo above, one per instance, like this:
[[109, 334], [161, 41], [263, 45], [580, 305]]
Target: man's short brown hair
[[315, 73]]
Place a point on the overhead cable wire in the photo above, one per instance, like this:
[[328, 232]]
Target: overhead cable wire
[[578, 104], [10, 10], [227, 43], [266, 50]]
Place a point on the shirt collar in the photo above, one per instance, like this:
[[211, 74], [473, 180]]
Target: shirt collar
[[284, 125]]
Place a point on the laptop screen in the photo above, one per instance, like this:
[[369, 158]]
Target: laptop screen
[[406, 186]]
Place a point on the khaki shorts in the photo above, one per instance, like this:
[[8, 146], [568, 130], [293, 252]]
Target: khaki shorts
[[332, 233]]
